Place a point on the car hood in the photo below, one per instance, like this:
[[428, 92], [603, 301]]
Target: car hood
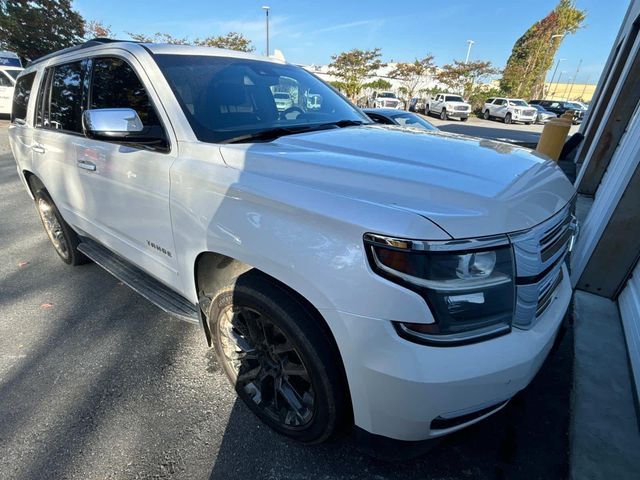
[[468, 186]]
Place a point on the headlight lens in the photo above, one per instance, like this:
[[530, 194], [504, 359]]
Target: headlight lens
[[469, 287]]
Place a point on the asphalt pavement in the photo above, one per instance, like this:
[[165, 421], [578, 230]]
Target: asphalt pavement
[[494, 129], [97, 383]]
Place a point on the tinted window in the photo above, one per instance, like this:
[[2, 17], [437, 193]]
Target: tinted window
[[13, 73], [227, 98], [410, 120], [65, 103], [21, 96], [499, 101], [115, 85], [379, 119], [4, 81], [454, 98]]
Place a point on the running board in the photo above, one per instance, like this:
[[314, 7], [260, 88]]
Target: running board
[[141, 282]]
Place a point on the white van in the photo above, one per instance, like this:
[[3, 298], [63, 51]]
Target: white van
[[10, 67]]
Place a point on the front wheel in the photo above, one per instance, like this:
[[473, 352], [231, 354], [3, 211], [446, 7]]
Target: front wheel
[[63, 238], [507, 118], [486, 115], [464, 119], [443, 114], [279, 358]]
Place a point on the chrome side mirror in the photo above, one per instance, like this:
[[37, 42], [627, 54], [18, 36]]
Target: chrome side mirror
[[111, 123]]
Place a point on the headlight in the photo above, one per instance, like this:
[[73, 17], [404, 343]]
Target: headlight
[[468, 285]]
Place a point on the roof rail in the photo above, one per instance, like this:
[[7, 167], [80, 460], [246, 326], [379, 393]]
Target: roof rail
[[89, 43]]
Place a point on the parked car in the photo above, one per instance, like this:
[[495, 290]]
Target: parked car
[[418, 105], [10, 68], [560, 107], [283, 100], [412, 283], [543, 115], [509, 110], [448, 105], [385, 100], [390, 116]]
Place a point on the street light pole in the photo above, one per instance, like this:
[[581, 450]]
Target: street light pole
[[555, 71], [470, 42], [574, 79], [557, 83], [266, 11]]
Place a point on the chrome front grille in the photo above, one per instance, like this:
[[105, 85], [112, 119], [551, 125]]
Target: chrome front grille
[[539, 256], [460, 108]]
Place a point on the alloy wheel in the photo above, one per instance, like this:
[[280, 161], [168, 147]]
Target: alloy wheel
[[53, 227], [267, 368]]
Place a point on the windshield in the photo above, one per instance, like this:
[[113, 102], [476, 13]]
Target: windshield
[[387, 95], [454, 98], [518, 103], [13, 73], [410, 120], [224, 98]]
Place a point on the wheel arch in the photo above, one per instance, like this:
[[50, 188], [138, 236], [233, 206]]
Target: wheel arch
[[213, 271]]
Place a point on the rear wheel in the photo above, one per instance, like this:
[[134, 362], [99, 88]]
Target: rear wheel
[[486, 115], [507, 118], [64, 240], [280, 360]]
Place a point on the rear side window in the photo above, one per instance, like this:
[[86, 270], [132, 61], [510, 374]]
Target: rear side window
[[115, 85], [21, 97], [65, 103]]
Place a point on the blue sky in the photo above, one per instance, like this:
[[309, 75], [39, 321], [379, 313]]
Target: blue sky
[[310, 32]]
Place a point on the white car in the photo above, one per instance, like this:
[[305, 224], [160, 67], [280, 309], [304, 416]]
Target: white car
[[385, 100], [509, 110], [448, 105], [412, 281], [10, 68], [283, 100]]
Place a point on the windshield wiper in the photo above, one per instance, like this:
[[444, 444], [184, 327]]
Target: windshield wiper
[[276, 132], [268, 134]]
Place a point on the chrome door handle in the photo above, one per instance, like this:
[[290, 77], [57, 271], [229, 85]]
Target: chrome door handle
[[86, 165], [38, 148]]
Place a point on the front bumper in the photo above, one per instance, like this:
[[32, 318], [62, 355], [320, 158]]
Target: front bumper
[[457, 114], [405, 391], [523, 118]]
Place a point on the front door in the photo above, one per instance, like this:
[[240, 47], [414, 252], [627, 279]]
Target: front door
[[128, 185]]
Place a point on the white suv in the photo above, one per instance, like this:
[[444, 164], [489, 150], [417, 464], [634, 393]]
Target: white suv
[[411, 281], [509, 110], [448, 105]]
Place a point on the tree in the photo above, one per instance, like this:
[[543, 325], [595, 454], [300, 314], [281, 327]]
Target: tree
[[378, 84], [231, 41], [97, 29], [353, 67], [532, 54], [412, 75], [463, 77], [158, 38], [33, 28]]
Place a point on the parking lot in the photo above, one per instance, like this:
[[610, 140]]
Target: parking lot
[[97, 383], [494, 129]]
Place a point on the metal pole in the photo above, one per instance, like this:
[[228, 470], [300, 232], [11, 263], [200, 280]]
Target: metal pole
[[555, 70], [585, 88], [470, 42], [564, 95], [574, 79], [266, 11], [557, 83]]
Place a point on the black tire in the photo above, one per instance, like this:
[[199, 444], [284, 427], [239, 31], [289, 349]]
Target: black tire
[[527, 123], [507, 119], [64, 240], [464, 119], [295, 339], [487, 115], [443, 114]]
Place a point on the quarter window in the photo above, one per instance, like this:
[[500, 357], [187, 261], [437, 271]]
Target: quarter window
[[65, 104], [115, 85], [21, 97]]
